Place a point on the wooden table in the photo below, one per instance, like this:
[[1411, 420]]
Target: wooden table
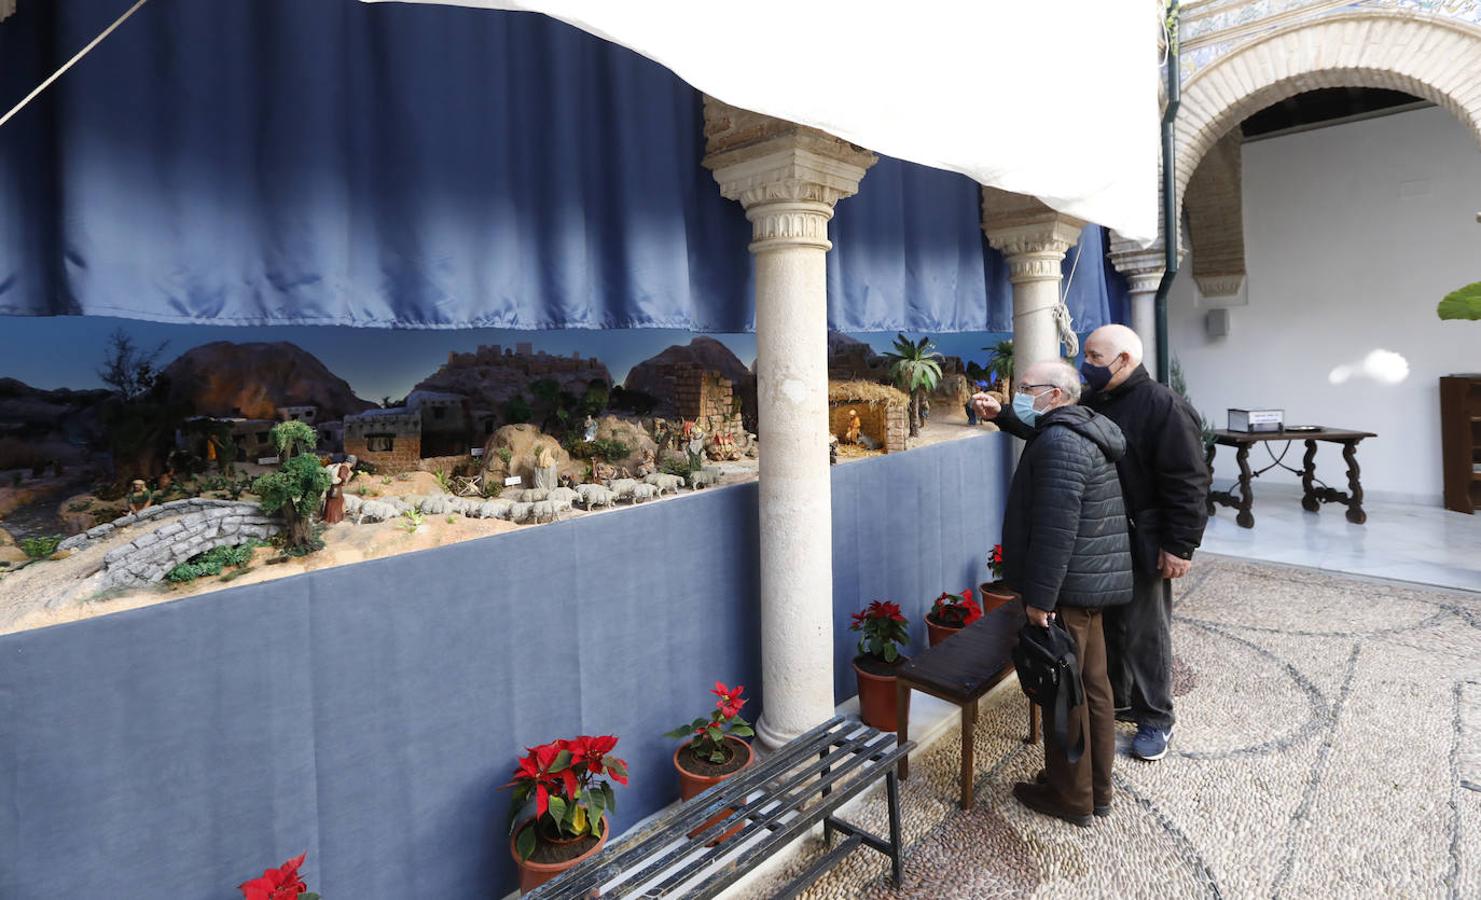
[[1313, 492], [961, 670]]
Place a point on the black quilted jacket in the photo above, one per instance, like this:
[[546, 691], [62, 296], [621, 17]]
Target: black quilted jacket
[[1064, 532]]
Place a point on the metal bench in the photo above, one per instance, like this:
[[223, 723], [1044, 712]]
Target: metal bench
[[776, 801]]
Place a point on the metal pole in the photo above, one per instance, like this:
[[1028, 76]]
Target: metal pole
[[1169, 198]]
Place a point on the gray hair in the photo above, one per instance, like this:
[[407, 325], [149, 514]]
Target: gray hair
[[1065, 377]]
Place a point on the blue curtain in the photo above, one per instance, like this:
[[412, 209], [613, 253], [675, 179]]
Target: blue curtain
[[331, 162]]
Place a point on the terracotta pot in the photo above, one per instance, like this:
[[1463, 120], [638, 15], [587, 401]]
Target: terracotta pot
[[935, 634], [877, 699], [533, 874], [994, 594], [692, 785]]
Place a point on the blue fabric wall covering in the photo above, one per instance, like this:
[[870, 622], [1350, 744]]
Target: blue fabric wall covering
[[368, 713], [283, 162]]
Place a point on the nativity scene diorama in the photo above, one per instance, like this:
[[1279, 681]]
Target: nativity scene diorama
[[244, 462]]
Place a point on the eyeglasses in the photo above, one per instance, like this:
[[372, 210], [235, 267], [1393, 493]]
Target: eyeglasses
[[1027, 389]]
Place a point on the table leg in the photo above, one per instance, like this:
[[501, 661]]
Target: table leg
[[1355, 512], [1208, 459], [902, 720], [1245, 519], [1309, 501], [969, 767]]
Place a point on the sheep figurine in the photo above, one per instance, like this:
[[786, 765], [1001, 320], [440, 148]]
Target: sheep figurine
[[622, 488], [664, 482], [561, 504], [495, 509], [702, 478], [519, 512], [377, 511], [642, 492], [595, 495], [534, 495], [542, 511], [563, 495], [435, 505], [352, 504]]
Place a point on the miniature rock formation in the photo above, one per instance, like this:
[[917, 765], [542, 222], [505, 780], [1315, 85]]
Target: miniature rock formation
[[255, 380], [522, 441], [493, 375], [661, 376]]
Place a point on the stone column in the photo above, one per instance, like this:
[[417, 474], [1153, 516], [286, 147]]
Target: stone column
[[788, 177], [1143, 270], [1034, 239]]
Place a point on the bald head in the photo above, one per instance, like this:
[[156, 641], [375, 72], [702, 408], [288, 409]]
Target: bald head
[[1115, 347]]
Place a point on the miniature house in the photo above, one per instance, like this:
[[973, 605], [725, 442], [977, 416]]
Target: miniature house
[[884, 414], [389, 439], [305, 414], [446, 422]]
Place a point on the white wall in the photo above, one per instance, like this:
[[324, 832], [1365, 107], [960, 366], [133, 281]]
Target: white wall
[[1352, 233]]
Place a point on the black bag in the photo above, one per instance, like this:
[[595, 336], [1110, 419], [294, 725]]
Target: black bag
[[1049, 671]]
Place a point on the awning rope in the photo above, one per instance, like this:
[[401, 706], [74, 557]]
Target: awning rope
[[70, 63]]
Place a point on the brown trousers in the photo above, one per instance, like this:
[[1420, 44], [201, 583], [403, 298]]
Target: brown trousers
[[1087, 783]]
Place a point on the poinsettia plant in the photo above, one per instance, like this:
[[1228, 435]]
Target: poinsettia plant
[[707, 734], [282, 883], [956, 610], [567, 779], [882, 630], [995, 562]]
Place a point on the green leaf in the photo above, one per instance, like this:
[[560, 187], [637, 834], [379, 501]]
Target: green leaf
[[525, 843], [1464, 303], [308, 896], [681, 731], [618, 766], [714, 734], [608, 796], [890, 653], [558, 809], [741, 729], [562, 761]]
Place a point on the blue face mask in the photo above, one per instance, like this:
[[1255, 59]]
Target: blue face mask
[[1023, 408]]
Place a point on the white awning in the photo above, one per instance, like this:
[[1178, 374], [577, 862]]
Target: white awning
[[1056, 99]]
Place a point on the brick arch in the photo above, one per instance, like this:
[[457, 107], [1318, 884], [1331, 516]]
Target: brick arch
[[1437, 60]]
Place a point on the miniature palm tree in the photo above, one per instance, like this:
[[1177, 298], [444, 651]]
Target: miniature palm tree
[[1000, 364], [916, 369]]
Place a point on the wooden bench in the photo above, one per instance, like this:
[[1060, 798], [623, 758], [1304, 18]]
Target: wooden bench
[[776, 801], [961, 670]]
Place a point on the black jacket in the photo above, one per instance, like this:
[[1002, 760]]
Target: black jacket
[[1064, 532], [1164, 475]]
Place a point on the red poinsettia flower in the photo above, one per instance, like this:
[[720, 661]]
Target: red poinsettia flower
[[730, 702], [535, 767], [282, 883], [595, 753]]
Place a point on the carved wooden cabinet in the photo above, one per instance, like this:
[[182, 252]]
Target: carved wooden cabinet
[[1460, 440]]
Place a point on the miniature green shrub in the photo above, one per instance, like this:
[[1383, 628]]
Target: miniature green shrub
[[295, 491], [40, 547], [599, 448], [211, 562], [294, 438], [413, 519]]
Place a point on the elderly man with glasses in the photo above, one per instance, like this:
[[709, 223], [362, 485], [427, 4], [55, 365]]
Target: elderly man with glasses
[[1165, 481], [1066, 551]]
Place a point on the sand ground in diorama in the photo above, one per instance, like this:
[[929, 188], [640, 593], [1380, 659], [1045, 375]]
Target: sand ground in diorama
[[35, 594]]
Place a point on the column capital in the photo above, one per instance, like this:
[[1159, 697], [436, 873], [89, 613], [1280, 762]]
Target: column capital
[[1032, 236], [1143, 268], [787, 176]]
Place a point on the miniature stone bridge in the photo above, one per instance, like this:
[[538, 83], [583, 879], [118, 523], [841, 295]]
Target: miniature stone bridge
[[197, 525]]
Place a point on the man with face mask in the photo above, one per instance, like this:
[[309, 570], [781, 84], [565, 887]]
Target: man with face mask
[[1067, 553], [1165, 482]]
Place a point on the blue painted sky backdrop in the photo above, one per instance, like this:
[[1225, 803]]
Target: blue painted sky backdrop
[[65, 351]]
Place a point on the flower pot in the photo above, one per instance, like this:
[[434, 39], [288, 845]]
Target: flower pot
[[692, 784], [994, 594], [936, 633], [877, 694], [533, 873]]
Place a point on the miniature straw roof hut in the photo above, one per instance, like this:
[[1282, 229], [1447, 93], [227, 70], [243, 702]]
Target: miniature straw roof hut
[[883, 412]]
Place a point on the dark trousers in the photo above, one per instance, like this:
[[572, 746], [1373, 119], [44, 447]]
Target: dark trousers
[[1139, 651], [1086, 784]]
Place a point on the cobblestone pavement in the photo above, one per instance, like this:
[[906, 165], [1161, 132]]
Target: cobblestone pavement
[[1328, 745]]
